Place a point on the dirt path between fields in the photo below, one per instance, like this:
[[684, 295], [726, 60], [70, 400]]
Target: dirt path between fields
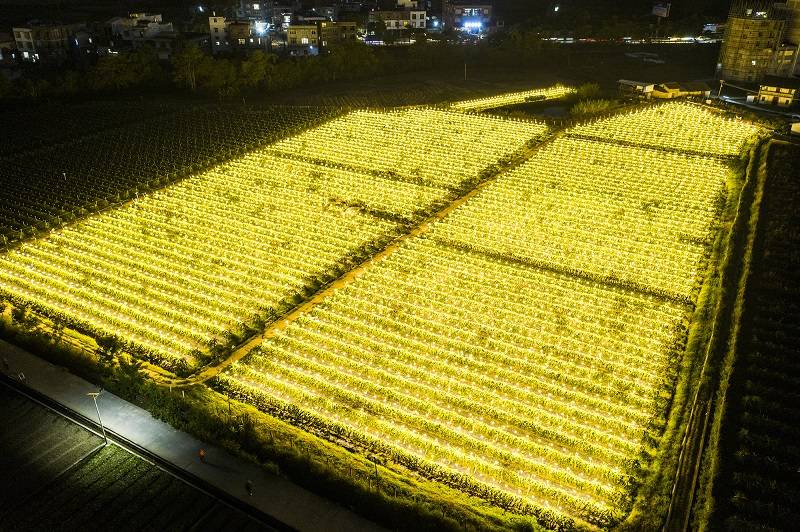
[[209, 372]]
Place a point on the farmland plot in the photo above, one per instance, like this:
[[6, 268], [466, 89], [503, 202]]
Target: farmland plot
[[512, 98], [524, 348], [173, 273], [424, 146], [676, 126]]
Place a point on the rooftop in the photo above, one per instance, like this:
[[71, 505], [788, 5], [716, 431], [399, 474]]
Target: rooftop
[[776, 81]]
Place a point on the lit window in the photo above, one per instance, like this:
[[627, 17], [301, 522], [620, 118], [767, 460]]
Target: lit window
[[304, 40], [241, 41]]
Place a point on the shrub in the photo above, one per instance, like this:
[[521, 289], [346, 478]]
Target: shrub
[[592, 107]]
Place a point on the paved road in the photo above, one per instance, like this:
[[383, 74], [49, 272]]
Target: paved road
[[273, 495]]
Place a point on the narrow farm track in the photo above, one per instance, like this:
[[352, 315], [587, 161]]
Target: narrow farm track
[[702, 409], [209, 372]]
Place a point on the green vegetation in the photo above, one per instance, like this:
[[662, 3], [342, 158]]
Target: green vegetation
[[193, 71], [705, 344], [123, 492], [359, 473], [48, 186], [59, 476], [588, 91], [385, 493], [751, 464], [51, 124], [36, 446], [592, 107]]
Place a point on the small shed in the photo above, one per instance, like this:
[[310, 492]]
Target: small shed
[[672, 89], [635, 89]]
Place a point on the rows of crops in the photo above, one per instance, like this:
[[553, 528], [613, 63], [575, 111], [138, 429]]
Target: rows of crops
[[425, 146], [757, 488], [35, 446], [50, 186], [200, 263], [123, 492], [32, 127], [56, 478], [524, 348], [679, 126], [634, 216], [481, 370], [513, 98]]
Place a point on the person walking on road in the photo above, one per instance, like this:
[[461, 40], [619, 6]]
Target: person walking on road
[[249, 487], [202, 455]]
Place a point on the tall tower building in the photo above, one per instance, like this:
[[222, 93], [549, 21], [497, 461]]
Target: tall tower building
[[753, 37], [793, 27]]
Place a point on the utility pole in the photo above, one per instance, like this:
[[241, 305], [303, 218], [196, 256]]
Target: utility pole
[[94, 395]]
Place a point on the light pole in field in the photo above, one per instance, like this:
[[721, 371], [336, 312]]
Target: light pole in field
[[102, 429]]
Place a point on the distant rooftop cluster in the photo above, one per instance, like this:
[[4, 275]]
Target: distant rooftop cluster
[[286, 27]]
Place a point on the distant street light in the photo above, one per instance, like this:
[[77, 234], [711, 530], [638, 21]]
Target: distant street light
[[102, 429]]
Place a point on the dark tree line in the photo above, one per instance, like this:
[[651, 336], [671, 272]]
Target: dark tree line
[[192, 71]]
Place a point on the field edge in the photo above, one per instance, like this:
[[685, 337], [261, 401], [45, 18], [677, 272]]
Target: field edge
[[655, 498]]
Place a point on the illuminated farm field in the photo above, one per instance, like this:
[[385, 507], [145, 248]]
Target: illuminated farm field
[[532, 383], [426, 146], [635, 216], [507, 318], [523, 349], [512, 98], [172, 273], [677, 126]]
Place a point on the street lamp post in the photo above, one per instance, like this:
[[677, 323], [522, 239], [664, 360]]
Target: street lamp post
[[102, 428]]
